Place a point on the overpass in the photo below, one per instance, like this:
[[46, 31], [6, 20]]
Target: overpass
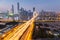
[[20, 32]]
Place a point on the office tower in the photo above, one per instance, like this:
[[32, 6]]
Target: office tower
[[12, 14], [34, 12], [12, 8], [18, 7], [33, 9], [18, 11]]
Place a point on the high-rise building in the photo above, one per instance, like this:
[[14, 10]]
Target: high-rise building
[[33, 9], [11, 13], [18, 6], [12, 8], [23, 14], [4, 14], [18, 10], [30, 14]]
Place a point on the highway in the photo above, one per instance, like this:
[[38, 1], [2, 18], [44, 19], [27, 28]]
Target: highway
[[18, 31], [28, 34], [23, 31]]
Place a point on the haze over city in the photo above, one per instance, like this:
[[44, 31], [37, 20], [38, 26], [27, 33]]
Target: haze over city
[[47, 5], [29, 19]]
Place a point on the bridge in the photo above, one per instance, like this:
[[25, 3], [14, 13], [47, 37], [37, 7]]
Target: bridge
[[20, 32]]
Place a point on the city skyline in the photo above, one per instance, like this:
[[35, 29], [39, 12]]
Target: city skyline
[[47, 5]]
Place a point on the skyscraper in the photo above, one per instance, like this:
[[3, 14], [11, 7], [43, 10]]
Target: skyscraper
[[12, 8], [18, 10], [18, 6], [11, 15], [33, 9]]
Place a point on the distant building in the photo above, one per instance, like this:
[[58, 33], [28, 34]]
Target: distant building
[[13, 9], [45, 15], [58, 16], [33, 9], [30, 14], [3, 15], [18, 7], [35, 13], [16, 16], [23, 14], [11, 13]]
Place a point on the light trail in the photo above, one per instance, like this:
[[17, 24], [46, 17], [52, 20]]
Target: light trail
[[28, 34], [17, 36], [23, 29], [13, 32], [18, 31]]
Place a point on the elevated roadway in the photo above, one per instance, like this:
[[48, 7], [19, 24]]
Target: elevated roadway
[[18, 32]]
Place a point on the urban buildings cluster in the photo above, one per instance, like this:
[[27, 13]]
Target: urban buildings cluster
[[23, 14]]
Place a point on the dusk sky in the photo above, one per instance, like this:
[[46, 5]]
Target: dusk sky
[[48, 5]]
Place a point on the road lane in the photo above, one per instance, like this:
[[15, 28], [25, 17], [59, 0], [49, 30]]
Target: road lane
[[28, 34], [21, 29]]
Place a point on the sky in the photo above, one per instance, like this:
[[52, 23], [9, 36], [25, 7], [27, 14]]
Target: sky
[[47, 5]]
